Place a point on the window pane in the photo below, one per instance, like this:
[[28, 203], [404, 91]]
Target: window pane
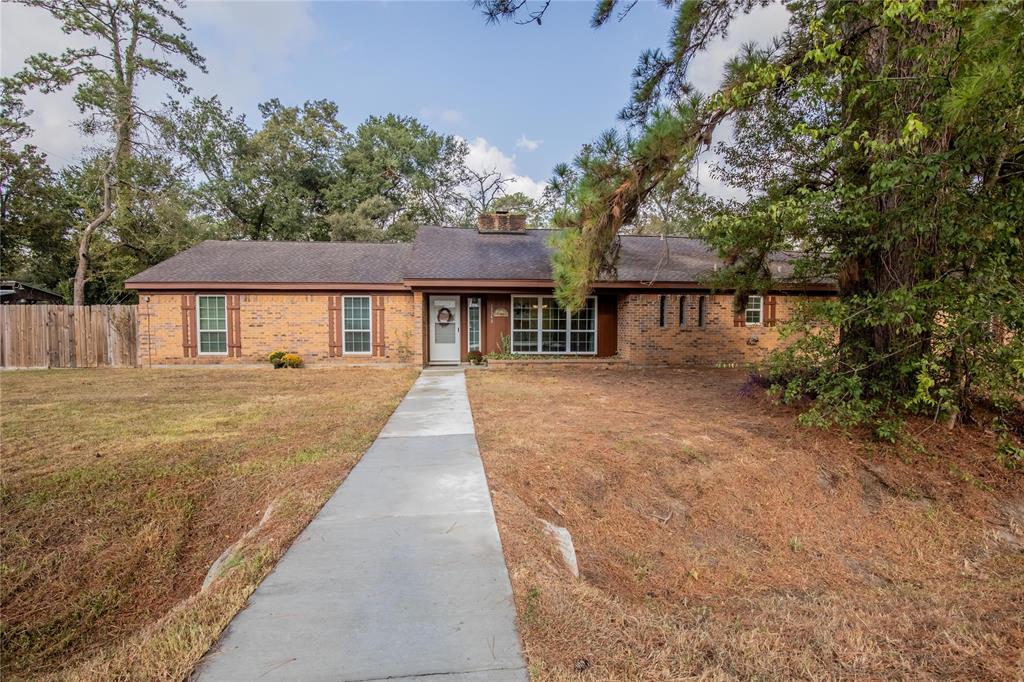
[[212, 313], [682, 311], [554, 314], [586, 318], [524, 342], [524, 313], [552, 342], [357, 313], [357, 342], [753, 310], [583, 342], [702, 310], [474, 327], [213, 342]]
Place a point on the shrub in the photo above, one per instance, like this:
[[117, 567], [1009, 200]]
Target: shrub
[[275, 358], [475, 357], [291, 360]]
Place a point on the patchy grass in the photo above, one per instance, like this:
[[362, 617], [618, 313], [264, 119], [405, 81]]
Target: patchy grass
[[717, 540], [121, 487]]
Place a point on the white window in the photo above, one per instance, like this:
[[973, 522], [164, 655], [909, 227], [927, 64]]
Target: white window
[[213, 325], [355, 325], [541, 325], [754, 310], [473, 308]]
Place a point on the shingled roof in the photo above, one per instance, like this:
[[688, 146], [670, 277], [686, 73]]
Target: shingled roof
[[245, 262], [438, 253]]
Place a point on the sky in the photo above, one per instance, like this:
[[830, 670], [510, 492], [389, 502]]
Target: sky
[[523, 97]]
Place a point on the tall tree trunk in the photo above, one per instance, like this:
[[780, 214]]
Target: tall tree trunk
[[81, 271]]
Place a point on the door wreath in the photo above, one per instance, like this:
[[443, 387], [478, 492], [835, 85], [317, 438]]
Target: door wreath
[[444, 316]]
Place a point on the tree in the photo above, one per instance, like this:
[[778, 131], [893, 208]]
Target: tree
[[483, 188], [886, 140], [416, 170], [107, 78]]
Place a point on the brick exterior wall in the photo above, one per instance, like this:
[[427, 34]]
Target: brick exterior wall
[[719, 342], [292, 321]]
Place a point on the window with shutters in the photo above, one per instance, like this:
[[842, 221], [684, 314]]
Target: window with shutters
[[755, 310], [355, 325], [212, 323]]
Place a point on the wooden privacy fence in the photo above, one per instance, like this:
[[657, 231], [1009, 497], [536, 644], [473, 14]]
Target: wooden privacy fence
[[69, 336]]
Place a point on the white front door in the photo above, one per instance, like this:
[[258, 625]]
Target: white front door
[[444, 329]]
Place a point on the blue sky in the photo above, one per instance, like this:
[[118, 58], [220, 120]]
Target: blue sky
[[524, 97]]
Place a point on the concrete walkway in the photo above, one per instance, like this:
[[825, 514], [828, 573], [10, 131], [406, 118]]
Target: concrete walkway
[[399, 576]]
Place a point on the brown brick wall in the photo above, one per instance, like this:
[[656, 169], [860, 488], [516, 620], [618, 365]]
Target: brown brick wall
[[643, 342], [291, 321]]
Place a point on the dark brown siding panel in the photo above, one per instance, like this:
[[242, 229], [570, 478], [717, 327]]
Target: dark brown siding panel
[[607, 325], [496, 325]]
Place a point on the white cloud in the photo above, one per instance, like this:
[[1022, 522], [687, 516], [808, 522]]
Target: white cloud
[[528, 144], [484, 157]]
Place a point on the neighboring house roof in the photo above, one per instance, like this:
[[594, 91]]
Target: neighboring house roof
[[231, 262], [14, 291], [437, 253]]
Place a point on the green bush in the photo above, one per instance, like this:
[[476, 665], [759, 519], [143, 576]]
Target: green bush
[[475, 357]]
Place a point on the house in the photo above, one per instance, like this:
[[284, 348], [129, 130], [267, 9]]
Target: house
[[449, 292], [22, 293]]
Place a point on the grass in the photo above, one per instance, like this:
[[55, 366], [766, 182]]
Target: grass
[[120, 488], [717, 540]]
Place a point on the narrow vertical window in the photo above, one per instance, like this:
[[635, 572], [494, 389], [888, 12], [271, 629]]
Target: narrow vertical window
[[473, 309], [356, 324], [661, 311], [702, 312], [682, 311], [212, 321], [754, 310]]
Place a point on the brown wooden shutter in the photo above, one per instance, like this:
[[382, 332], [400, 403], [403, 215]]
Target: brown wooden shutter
[[188, 326], [769, 312], [334, 326], [377, 317], [739, 319], [234, 325]]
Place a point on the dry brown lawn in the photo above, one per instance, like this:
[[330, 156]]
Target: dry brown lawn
[[717, 540], [120, 488]]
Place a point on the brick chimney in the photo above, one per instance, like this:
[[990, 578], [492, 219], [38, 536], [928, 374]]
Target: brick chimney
[[502, 222]]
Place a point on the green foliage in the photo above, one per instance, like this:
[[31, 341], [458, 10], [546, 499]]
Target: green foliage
[[881, 143]]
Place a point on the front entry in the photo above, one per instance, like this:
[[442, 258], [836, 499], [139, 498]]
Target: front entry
[[444, 330]]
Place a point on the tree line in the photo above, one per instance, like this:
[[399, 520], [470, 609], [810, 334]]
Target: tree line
[[160, 179]]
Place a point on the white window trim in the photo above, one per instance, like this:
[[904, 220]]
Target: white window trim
[[344, 350], [539, 331], [759, 308], [470, 304], [200, 330]]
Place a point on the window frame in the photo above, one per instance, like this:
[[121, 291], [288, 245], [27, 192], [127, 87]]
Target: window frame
[[200, 330], [682, 310], [702, 311], [759, 310], [661, 310], [344, 328], [473, 303], [540, 329]]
